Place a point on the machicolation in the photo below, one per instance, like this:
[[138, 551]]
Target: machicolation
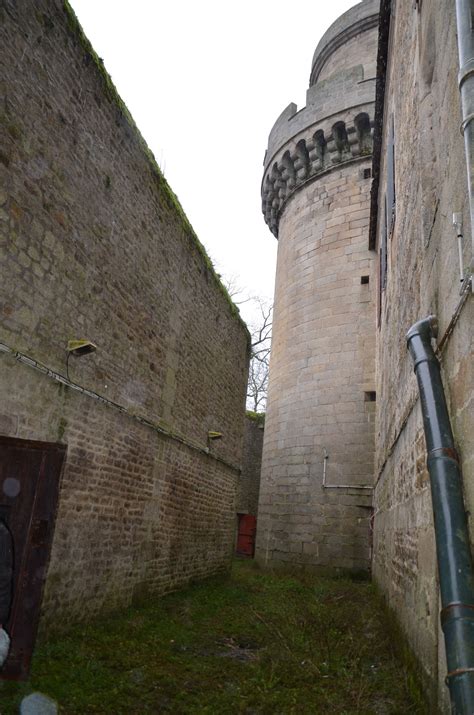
[[308, 157]]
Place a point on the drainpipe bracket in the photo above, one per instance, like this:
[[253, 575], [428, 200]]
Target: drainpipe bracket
[[465, 123], [456, 674], [446, 453], [457, 610], [427, 358], [466, 71]]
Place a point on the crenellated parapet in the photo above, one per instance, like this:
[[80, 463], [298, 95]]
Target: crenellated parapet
[[336, 125], [336, 141]]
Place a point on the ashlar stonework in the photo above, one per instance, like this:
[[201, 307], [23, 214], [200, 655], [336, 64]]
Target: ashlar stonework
[[317, 467]]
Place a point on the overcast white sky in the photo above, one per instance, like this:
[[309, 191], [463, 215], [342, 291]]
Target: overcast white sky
[[205, 81]]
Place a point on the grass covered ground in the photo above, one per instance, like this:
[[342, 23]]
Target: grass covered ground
[[257, 642]]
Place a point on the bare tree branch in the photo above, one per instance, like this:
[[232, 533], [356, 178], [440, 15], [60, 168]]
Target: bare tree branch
[[261, 336]]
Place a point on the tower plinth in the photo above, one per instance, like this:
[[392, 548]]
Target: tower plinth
[[317, 469]]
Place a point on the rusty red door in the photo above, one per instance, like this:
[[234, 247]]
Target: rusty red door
[[29, 486], [246, 535]]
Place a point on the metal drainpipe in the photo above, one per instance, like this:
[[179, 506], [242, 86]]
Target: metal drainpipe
[[450, 522], [464, 21]]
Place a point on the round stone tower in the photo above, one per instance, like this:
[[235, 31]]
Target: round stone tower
[[317, 469]]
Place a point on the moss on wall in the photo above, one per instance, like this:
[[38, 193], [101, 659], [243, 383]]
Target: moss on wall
[[169, 195], [258, 417]]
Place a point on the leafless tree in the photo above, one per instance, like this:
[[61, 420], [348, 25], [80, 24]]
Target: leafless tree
[[260, 327], [261, 335], [235, 290]]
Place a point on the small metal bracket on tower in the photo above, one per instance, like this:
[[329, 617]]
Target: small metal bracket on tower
[[464, 274], [325, 458]]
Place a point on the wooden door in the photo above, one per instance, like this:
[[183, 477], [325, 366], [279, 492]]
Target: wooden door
[[246, 535], [29, 487]]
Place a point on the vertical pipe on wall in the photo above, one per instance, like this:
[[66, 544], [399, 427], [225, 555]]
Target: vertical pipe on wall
[[456, 576], [464, 21]]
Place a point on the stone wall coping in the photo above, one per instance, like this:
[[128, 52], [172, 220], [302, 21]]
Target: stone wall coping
[[111, 92]]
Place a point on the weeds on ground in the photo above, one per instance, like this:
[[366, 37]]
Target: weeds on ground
[[257, 642]]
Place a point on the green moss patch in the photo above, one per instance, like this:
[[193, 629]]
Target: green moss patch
[[257, 642], [258, 417]]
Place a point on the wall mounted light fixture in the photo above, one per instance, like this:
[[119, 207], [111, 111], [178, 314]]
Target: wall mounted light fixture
[[214, 435], [80, 347]]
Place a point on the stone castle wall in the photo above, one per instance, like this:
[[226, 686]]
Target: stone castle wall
[[320, 410], [321, 368], [249, 481], [364, 46], [94, 245], [422, 100]]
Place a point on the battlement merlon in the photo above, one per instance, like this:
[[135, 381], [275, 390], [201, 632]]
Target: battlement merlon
[[337, 140], [342, 74], [344, 90], [336, 124]]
